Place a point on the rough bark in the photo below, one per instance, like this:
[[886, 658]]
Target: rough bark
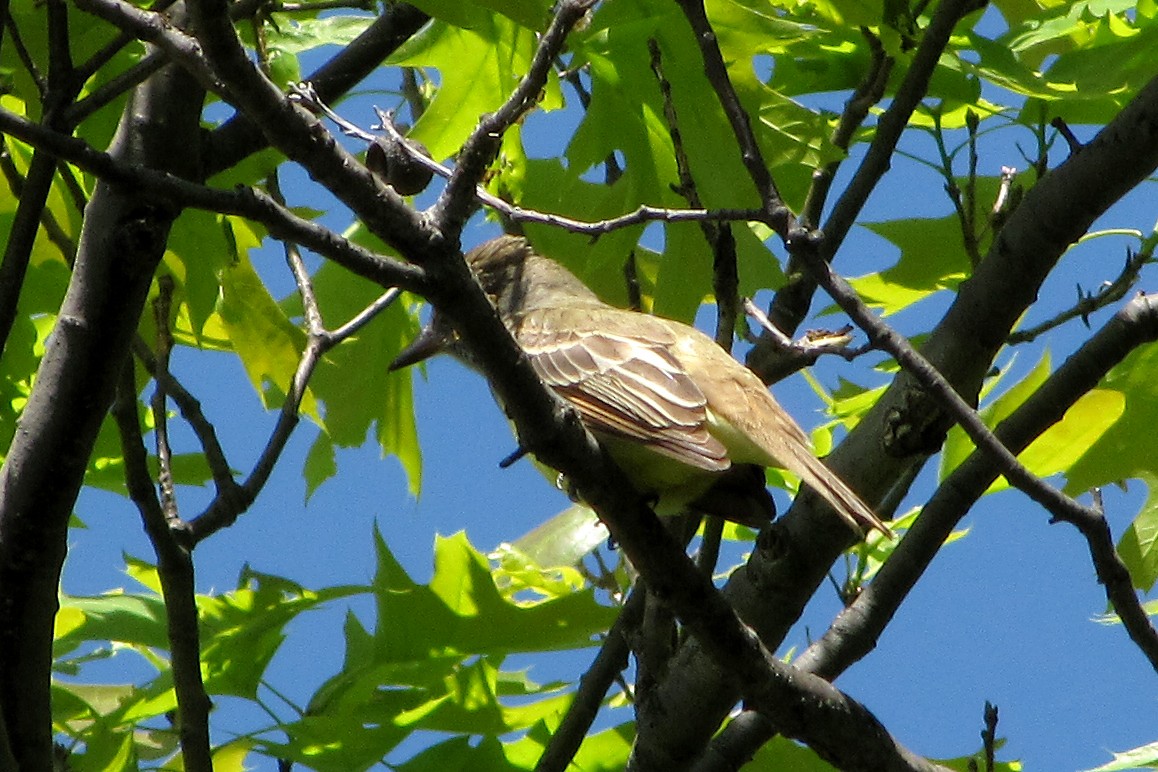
[[121, 243], [905, 425]]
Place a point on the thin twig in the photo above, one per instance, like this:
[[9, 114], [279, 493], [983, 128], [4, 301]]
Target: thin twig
[[175, 571], [810, 247], [868, 92], [162, 306], [190, 409], [593, 685], [305, 94], [458, 199], [1133, 326], [234, 498], [612, 170], [963, 203], [412, 93], [1088, 303], [1007, 198], [25, 57], [970, 226], [1067, 134], [989, 736], [776, 214]]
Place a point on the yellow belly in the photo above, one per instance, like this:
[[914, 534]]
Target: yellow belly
[[673, 484]]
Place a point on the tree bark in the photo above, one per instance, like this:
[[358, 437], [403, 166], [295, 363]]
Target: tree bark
[[906, 424], [122, 241]]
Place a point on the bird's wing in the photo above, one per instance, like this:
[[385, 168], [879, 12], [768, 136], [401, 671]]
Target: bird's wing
[[758, 430], [624, 381]]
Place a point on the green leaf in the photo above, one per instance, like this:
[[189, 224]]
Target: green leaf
[[198, 252], [526, 582], [113, 616], [458, 13], [781, 753], [458, 755], [1115, 457], [920, 272], [1142, 756], [321, 463], [361, 398], [403, 677], [605, 751], [243, 629], [1138, 546], [564, 540], [532, 14], [106, 750], [297, 35], [268, 344], [1056, 449], [479, 67]]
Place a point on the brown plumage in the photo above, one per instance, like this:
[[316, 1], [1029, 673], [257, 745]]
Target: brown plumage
[[675, 411]]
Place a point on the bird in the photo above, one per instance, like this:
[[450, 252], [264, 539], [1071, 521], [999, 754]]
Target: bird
[[691, 427]]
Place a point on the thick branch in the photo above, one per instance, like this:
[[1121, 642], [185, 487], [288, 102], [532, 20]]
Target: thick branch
[[858, 627], [905, 425], [122, 240], [174, 191]]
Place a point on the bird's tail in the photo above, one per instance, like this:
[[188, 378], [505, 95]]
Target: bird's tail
[[832, 489]]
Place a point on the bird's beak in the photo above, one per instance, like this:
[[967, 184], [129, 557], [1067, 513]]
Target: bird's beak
[[432, 339]]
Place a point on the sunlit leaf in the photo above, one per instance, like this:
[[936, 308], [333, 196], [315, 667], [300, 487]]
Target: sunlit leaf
[[1142, 756], [478, 68], [267, 343], [1138, 546]]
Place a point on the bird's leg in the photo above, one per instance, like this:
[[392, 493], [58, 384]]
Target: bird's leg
[[514, 456]]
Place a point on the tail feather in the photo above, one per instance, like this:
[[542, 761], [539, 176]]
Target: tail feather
[[832, 489]]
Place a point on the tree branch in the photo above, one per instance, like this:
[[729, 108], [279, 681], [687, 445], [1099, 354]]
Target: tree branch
[[219, 62], [857, 628], [60, 89], [122, 240], [175, 571], [162, 309], [867, 93], [905, 425], [593, 685], [458, 200], [250, 203], [232, 498], [791, 303], [190, 408], [884, 337], [1107, 293]]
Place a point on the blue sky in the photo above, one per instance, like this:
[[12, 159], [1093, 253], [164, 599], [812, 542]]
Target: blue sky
[[1004, 615]]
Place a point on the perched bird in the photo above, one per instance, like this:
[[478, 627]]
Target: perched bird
[[687, 423]]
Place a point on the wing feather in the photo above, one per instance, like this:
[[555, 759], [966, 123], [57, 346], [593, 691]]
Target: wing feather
[[625, 385]]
